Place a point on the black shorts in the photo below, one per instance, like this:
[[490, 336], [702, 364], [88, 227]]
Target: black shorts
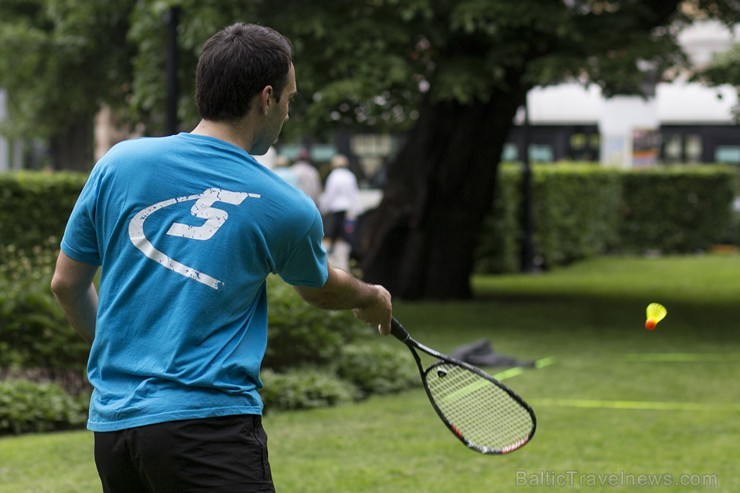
[[224, 454], [334, 225]]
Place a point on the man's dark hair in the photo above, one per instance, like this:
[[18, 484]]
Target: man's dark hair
[[235, 64]]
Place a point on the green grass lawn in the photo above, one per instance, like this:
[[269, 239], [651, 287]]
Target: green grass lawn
[[618, 406]]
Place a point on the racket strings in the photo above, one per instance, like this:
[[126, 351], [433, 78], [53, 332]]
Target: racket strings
[[480, 412]]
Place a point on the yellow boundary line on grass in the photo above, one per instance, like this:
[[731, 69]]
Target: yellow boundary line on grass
[[512, 372], [634, 405], [637, 405], [681, 357]]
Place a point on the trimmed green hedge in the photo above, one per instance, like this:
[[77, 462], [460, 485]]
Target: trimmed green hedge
[[35, 206], [499, 239], [580, 210], [677, 209], [583, 210], [576, 212]]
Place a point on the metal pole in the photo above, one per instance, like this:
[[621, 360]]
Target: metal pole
[[527, 247], [171, 63]]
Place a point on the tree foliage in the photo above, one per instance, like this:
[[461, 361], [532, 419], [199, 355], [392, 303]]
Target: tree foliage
[[60, 59], [724, 69], [366, 63]]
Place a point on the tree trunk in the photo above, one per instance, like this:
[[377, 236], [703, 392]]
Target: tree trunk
[[420, 241], [72, 147]]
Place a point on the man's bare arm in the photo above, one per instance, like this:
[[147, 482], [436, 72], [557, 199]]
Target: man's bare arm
[[73, 288], [370, 303]]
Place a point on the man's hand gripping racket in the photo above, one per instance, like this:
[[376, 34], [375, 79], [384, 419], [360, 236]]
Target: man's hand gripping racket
[[484, 414]]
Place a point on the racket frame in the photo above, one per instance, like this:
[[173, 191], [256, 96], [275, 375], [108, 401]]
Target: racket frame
[[400, 333]]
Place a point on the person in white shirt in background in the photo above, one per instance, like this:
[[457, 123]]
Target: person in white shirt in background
[[307, 176], [339, 202], [268, 158]]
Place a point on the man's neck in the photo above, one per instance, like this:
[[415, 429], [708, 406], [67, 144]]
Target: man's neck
[[229, 132]]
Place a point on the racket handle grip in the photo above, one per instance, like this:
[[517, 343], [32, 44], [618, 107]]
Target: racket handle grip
[[398, 331]]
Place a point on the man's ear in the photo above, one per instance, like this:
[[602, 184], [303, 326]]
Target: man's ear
[[265, 96]]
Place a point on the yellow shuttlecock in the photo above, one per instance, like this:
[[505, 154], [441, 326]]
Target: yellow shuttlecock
[[655, 313]]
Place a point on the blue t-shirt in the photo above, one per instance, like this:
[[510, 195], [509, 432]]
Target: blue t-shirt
[[186, 229]]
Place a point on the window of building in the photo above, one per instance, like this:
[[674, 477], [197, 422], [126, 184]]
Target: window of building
[[673, 149], [578, 141], [510, 153], [693, 148], [727, 154], [540, 153]]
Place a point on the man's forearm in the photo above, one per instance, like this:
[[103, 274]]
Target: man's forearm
[[81, 311], [342, 291], [73, 288]]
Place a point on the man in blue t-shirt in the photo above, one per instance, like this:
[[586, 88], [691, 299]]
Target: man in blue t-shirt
[[186, 229]]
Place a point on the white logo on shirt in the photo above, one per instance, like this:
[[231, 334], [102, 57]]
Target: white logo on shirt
[[215, 218]]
